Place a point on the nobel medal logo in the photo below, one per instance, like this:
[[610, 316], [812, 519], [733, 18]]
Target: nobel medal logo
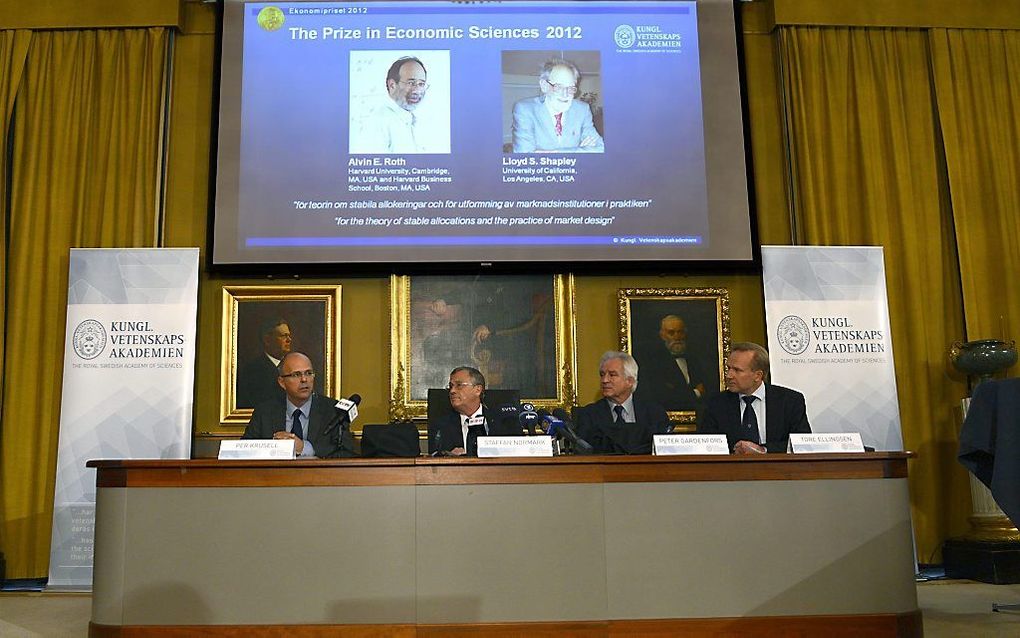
[[793, 334], [625, 36], [270, 18], [89, 339]]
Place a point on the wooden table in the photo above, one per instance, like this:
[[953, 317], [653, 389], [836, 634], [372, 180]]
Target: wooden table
[[819, 544]]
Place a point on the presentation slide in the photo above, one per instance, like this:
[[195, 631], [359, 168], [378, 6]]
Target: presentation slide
[[472, 132]]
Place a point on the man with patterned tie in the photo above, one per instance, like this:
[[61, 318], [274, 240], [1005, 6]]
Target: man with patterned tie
[[310, 420], [756, 416], [603, 424], [555, 122]]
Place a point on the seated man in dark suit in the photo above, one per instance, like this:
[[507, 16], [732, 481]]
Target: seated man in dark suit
[[312, 421], [456, 433], [604, 423], [756, 416], [672, 376], [257, 378]]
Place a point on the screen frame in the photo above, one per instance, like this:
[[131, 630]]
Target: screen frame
[[216, 224]]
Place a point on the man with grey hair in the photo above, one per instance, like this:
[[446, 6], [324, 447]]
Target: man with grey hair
[[555, 122], [756, 416], [457, 433], [673, 377], [620, 422]]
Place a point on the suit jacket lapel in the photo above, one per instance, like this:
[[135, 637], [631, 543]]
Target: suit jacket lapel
[[733, 414], [773, 414]]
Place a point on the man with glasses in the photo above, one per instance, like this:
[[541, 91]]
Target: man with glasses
[[394, 126], [256, 380], [300, 414], [456, 433], [555, 122]]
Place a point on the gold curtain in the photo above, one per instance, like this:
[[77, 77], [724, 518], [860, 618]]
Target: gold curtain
[[976, 80], [13, 49], [865, 165], [85, 173]]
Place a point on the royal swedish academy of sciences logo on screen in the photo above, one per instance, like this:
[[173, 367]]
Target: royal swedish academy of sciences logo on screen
[[625, 36], [89, 339]]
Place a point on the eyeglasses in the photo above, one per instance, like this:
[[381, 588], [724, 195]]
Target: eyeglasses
[[300, 374], [415, 84], [567, 89], [459, 384]]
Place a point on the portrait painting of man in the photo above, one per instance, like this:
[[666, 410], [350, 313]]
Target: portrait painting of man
[[678, 343], [265, 323], [512, 328]]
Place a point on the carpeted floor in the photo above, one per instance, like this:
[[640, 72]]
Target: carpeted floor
[[951, 608]]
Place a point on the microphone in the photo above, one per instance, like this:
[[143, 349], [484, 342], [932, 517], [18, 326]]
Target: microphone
[[580, 445], [475, 429], [507, 417], [346, 411], [553, 425], [528, 418]]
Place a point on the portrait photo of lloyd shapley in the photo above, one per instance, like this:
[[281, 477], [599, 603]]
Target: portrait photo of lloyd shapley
[[399, 102], [551, 102]]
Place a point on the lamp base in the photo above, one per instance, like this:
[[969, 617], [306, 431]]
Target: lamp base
[[996, 562]]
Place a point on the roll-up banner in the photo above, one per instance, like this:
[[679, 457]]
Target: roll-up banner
[[828, 330], [129, 368]]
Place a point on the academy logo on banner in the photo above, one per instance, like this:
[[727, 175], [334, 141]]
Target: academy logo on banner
[[828, 328], [89, 339], [129, 360]]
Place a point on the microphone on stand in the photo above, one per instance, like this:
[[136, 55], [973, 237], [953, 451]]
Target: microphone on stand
[[528, 418], [346, 412], [580, 445]]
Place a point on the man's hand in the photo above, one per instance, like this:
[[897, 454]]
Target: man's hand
[[699, 390], [299, 444], [458, 451], [746, 447]]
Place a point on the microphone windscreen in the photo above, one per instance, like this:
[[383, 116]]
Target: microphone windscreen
[[355, 399]]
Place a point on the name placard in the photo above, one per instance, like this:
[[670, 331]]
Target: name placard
[[507, 446], [258, 449], [683, 444], [830, 442]]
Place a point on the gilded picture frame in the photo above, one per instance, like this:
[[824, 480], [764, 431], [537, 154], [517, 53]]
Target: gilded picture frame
[[518, 330], [260, 322], [680, 338]]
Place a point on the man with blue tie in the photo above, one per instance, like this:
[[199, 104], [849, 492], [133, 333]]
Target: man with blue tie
[[555, 122], [310, 420], [756, 416]]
